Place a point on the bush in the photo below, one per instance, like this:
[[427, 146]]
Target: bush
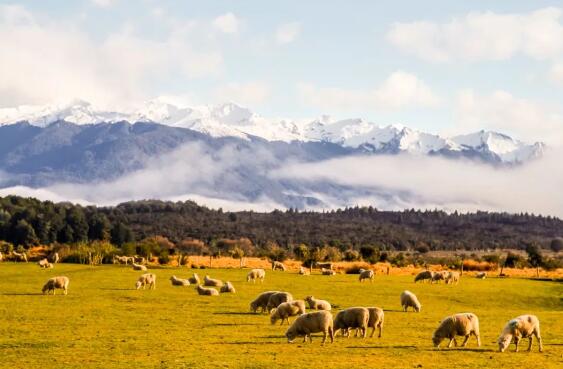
[[351, 255], [355, 268], [164, 257], [423, 249], [556, 244]]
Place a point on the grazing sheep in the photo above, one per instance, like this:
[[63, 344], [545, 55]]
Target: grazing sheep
[[439, 276], [287, 309], [139, 259], [255, 274], [278, 298], [179, 281], [327, 272], [54, 283], [194, 279], [304, 325], [261, 301], [481, 275], [55, 258], [122, 259], [20, 257], [139, 267], [276, 265], [43, 263], [324, 265], [423, 276], [464, 324], [366, 274], [452, 278], [206, 291], [212, 282], [376, 318], [146, 279], [524, 326], [352, 318], [228, 287], [317, 304], [408, 299], [304, 271]]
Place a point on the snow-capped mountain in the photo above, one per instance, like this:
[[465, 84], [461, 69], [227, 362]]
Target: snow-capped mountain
[[232, 120]]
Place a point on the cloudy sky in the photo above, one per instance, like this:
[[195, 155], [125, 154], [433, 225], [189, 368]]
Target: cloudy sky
[[438, 66]]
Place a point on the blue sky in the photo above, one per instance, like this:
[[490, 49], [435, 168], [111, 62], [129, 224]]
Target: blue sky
[[439, 66]]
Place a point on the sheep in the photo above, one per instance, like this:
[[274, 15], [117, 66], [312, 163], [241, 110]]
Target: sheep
[[278, 298], [261, 301], [194, 279], [524, 326], [317, 304], [366, 274], [276, 265], [287, 309], [324, 265], [424, 275], [43, 263], [146, 279], [452, 278], [54, 283], [139, 267], [20, 257], [121, 259], [179, 281], [355, 317], [481, 275], [255, 274], [439, 276], [206, 291], [327, 272], [376, 318], [212, 282], [55, 258], [304, 271], [139, 259], [304, 325], [464, 324], [228, 287], [408, 299]]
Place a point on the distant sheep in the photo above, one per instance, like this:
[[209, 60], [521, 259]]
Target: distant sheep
[[366, 274], [54, 283], [228, 287], [212, 282], [122, 259], [261, 301], [179, 281], [408, 299], [481, 275], [424, 275], [194, 279], [324, 265], [376, 318], [139, 267], [286, 310], [439, 276], [278, 298], [43, 263], [304, 271], [255, 274], [452, 278], [317, 304], [328, 272], [276, 265], [352, 318], [146, 279], [465, 324], [524, 326], [139, 259], [304, 325], [20, 256], [206, 291], [55, 258]]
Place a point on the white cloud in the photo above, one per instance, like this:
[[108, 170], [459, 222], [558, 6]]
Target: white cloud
[[227, 23], [104, 3], [54, 60], [483, 36], [556, 73], [245, 93], [288, 32], [504, 112], [399, 90]]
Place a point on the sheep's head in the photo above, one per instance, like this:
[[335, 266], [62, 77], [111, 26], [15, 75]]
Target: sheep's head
[[290, 334], [503, 342], [138, 284], [273, 316], [417, 308], [253, 306], [436, 340], [45, 287]]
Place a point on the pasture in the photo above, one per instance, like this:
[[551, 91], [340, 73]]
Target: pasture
[[104, 323]]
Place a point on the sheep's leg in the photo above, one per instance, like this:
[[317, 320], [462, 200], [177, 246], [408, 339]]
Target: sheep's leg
[[372, 332], [516, 341], [310, 338], [465, 341], [380, 331], [478, 339], [530, 343], [538, 337], [451, 341], [364, 332], [325, 333], [304, 338], [331, 334]]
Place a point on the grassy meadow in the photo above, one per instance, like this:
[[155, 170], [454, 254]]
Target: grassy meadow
[[104, 323]]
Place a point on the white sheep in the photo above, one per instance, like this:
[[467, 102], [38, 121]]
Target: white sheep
[[366, 274], [54, 283], [261, 301], [524, 326], [139, 267], [55, 258], [409, 299], [352, 318], [439, 276], [328, 272], [43, 263], [286, 310], [304, 271], [481, 275], [323, 265], [424, 275], [206, 291], [464, 324], [212, 282], [278, 298], [228, 287], [304, 325], [194, 279], [179, 281], [276, 265], [146, 279], [317, 304], [255, 274], [20, 256], [376, 318], [452, 278]]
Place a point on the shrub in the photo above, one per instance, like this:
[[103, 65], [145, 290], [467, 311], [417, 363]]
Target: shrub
[[351, 255]]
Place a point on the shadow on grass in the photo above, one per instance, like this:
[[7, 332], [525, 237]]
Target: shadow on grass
[[393, 311], [235, 313], [459, 349], [23, 294], [251, 343]]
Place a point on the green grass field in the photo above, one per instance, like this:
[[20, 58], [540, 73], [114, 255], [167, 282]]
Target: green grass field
[[104, 323]]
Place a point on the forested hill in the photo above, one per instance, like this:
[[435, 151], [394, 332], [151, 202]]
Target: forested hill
[[26, 222]]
